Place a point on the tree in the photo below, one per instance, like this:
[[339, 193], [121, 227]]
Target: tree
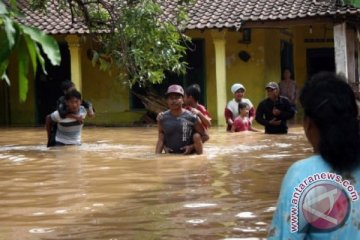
[[24, 41], [355, 3], [134, 36]]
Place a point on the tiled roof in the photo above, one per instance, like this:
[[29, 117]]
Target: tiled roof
[[203, 14], [54, 20], [232, 13]]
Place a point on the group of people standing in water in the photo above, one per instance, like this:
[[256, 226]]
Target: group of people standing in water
[[273, 112], [319, 197], [183, 128]]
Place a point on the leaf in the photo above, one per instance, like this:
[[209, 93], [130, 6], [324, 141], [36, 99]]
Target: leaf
[[10, 31], [5, 49], [3, 67], [31, 47], [3, 9], [6, 78], [41, 59], [47, 43], [23, 70]]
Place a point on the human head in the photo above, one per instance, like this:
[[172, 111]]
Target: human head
[[243, 109], [238, 90], [67, 86], [272, 89], [330, 120], [286, 73], [175, 96], [192, 94], [73, 100]]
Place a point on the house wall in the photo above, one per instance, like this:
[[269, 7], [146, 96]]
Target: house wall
[[111, 98], [300, 47], [265, 62], [109, 95]]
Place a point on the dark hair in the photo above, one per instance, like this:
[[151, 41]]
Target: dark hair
[[65, 85], [193, 91], [73, 94], [330, 102], [242, 105]]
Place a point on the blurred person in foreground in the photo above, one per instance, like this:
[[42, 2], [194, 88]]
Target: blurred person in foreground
[[319, 197]]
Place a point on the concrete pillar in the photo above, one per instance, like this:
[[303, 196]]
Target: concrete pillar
[[75, 56], [220, 68], [344, 42]]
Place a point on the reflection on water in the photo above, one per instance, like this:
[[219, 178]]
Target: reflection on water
[[115, 187]]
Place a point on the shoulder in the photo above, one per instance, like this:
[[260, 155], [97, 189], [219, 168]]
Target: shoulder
[[263, 102], [61, 99], [202, 109], [55, 116], [231, 103], [82, 111], [246, 100], [189, 115], [306, 167], [283, 98], [164, 115]]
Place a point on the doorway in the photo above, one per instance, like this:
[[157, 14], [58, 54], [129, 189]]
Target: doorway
[[48, 87], [286, 57], [320, 59], [195, 73]]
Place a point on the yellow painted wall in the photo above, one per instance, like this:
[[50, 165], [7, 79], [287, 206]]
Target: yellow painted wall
[[109, 95], [264, 64], [250, 74]]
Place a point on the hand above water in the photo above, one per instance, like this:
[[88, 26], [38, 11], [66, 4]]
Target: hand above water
[[188, 149], [275, 122], [276, 112]]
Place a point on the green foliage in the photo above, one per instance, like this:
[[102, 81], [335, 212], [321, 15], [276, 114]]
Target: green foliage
[[355, 3], [135, 39], [142, 45], [24, 41]]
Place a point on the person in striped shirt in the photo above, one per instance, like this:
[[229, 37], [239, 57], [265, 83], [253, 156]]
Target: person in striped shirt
[[69, 128]]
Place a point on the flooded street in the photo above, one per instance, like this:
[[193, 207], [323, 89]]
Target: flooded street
[[115, 187]]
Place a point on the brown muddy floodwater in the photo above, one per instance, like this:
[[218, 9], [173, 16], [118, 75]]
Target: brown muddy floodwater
[[115, 187]]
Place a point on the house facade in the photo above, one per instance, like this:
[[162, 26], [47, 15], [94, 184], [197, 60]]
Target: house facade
[[249, 42]]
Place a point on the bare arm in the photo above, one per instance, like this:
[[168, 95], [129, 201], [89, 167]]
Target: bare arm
[[232, 128], [90, 111], [199, 128], [48, 125], [160, 143], [228, 116], [76, 117], [204, 119]]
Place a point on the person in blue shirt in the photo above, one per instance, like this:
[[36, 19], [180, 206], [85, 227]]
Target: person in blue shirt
[[319, 196]]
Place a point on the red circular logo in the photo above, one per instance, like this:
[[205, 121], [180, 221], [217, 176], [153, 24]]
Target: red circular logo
[[325, 206]]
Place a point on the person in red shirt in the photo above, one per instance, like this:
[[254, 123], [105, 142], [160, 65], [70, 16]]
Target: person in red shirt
[[192, 95], [242, 122], [231, 110]]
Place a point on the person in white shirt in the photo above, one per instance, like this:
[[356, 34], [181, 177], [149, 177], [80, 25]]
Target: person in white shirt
[[68, 129], [232, 108]]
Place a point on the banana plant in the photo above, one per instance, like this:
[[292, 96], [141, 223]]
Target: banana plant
[[24, 42]]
